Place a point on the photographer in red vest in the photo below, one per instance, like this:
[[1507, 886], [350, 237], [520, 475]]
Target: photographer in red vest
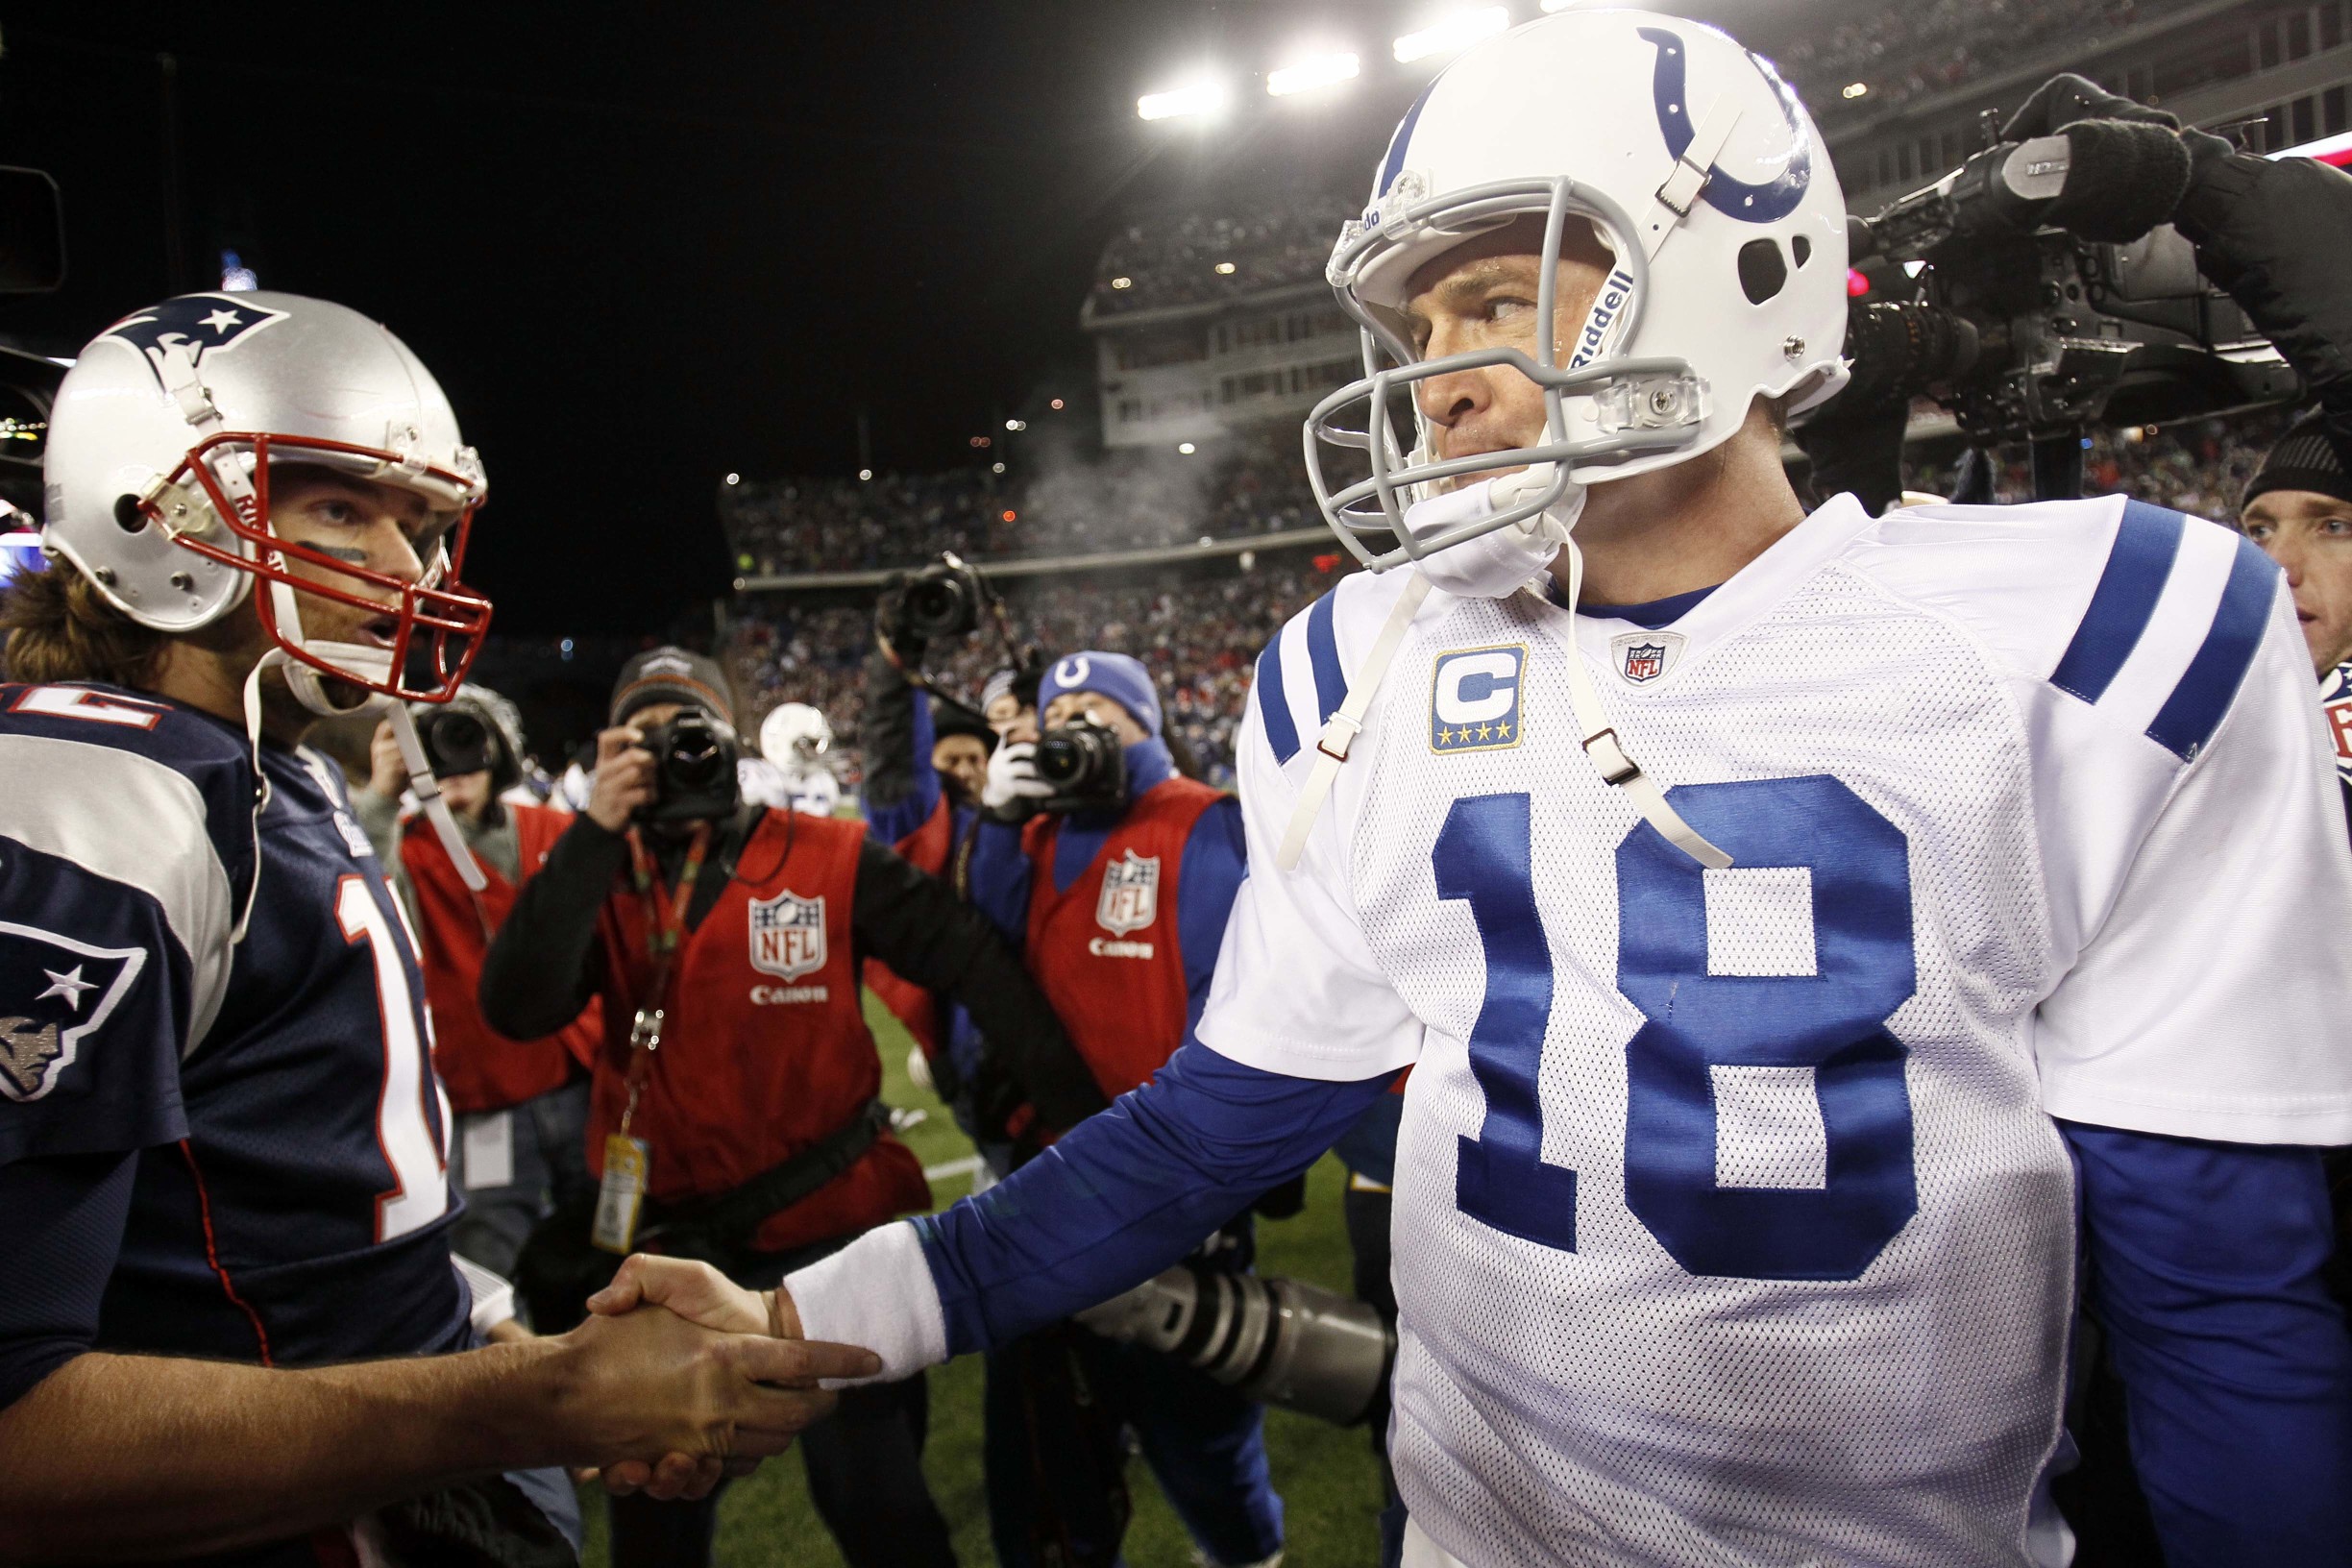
[[735, 1115], [1116, 874], [521, 1103]]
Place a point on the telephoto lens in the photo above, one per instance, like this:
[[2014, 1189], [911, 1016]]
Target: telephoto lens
[[1087, 765], [1282, 1341]]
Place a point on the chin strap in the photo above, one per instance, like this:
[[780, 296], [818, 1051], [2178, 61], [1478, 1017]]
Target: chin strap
[[1340, 734], [1608, 752], [428, 791], [1601, 743]]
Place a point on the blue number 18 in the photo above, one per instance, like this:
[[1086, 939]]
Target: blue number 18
[[1832, 1022]]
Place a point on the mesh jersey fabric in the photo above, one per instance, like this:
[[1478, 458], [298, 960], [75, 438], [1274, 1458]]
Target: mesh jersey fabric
[[1804, 1297]]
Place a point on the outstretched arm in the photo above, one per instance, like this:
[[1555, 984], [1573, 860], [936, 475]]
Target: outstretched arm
[[1122, 1197], [2205, 1271]]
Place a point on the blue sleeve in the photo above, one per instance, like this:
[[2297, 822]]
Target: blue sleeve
[[2237, 1369], [1000, 878], [1216, 860], [61, 1227], [890, 825], [1128, 1192], [95, 1007]]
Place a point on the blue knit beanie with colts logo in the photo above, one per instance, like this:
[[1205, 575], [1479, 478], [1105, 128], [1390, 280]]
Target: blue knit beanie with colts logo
[[1117, 676]]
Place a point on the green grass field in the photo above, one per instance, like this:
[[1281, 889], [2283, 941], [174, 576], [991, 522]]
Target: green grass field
[[1328, 1477]]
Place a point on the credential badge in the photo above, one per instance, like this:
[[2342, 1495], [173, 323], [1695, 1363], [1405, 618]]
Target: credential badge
[[1130, 894], [788, 935], [54, 992]]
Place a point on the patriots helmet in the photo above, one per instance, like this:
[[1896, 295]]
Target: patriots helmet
[[795, 735], [1694, 166], [160, 447]]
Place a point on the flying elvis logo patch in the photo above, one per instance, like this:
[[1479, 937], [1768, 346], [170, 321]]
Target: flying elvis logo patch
[[54, 992], [1474, 700], [200, 324], [788, 935]]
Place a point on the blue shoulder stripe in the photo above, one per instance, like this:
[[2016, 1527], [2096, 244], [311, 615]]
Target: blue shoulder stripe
[[1323, 652], [2210, 685], [2125, 599], [1274, 703]]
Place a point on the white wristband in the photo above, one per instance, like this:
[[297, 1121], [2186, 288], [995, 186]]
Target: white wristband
[[877, 1292]]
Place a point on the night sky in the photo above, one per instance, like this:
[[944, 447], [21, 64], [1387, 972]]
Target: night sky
[[644, 246]]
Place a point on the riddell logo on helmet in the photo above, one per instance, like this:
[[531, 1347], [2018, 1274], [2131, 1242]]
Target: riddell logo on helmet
[[1616, 293]]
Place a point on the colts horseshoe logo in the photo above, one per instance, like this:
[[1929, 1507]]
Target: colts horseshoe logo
[[1772, 200]]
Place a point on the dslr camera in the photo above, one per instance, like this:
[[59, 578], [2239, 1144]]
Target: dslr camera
[[1087, 765], [694, 768], [938, 603]]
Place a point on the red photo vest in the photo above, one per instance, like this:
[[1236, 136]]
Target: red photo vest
[[765, 1050], [482, 1069], [926, 851], [1105, 953]]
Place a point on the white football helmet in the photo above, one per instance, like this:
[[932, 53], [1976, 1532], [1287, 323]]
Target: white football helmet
[[160, 452], [1698, 169], [795, 735]]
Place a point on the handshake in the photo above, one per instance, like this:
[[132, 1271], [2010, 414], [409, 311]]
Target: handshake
[[680, 1377]]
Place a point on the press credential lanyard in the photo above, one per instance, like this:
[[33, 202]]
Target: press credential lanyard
[[629, 1160]]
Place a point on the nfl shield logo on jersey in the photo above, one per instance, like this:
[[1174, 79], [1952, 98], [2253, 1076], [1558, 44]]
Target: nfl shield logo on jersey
[[54, 990], [1643, 656], [1473, 700], [788, 935], [1130, 894]]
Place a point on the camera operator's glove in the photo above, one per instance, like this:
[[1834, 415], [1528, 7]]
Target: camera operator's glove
[[1013, 788], [2274, 234], [890, 630]]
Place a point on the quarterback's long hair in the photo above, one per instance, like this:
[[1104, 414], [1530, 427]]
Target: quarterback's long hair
[[59, 627]]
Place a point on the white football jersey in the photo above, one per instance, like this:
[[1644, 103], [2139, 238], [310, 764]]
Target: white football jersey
[[812, 790], [1731, 1225]]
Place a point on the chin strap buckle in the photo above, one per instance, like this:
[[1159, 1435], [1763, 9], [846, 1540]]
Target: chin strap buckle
[[1616, 768]]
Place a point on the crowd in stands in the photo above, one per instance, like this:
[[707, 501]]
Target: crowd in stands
[[1201, 634], [1171, 257], [1904, 51], [1249, 483]]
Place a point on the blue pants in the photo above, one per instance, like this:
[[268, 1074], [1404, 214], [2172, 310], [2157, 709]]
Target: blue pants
[[1059, 1409]]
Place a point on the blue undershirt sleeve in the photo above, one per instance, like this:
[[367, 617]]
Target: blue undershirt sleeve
[[1216, 860], [60, 1228], [1128, 1192], [1000, 879], [2236, 1368]]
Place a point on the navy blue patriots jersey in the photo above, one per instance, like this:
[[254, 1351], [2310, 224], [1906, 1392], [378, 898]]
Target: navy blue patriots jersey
[[232, 999]]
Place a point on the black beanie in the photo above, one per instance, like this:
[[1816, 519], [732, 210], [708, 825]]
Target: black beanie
[[2303, 458], [671, 675]]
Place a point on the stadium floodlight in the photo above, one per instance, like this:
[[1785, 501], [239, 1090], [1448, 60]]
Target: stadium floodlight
[[734, 478], [1187, 447], [1203, 97], [1016, 425], [1451, 33], [865, 472], [1853, 89], [1225, 269], [1319, 72]]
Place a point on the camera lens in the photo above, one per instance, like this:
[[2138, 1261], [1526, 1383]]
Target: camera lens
[[938, 606], [694, 759], [459, 743], [1060, 760]]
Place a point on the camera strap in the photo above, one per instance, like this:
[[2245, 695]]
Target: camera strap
[[665, 929], [628, 1161]]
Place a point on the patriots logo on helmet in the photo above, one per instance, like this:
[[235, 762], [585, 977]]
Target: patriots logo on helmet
[[203, 324], [54, 992], [788, 935]]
